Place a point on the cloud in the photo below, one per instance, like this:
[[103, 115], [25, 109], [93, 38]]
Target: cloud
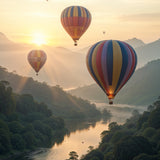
[[141, 17]]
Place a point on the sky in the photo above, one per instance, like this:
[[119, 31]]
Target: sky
[[23, 21]]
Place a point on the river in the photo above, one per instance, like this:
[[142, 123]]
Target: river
[[80, 140]]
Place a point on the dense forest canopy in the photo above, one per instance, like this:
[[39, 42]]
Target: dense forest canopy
[[137, 139], [26, 124], [60, 102]]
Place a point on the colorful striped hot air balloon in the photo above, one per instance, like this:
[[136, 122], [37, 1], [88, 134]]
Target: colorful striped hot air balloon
[[37, 59], [75, 20], [111, 63]]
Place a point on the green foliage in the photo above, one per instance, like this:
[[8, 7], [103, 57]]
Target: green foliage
[[130, 147], [109, 156], [143, 119], [156, 136], [94, 158], [25, 123], [30, 140], [5, 143], [17, 142], [113, 126], [144, 156], [61, 103], [149, 132], [94, 154], [15, 127], [117, 136], [4, 125], [55, 122], [73, 155], [154, 119], [137, 139], [7, 103]]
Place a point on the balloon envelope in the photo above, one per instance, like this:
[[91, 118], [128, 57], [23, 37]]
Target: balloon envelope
[[37, 59], [111, 63], [75, 20]]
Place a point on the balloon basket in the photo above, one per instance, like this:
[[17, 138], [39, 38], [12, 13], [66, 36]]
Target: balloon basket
[[110, 102], [75, 43]]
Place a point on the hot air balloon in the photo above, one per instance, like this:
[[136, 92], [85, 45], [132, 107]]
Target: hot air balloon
[[75, 20], [37, 59], [111, 63]]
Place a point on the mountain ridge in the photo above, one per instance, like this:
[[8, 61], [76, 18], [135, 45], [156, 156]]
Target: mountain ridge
[[64, 67], [142, 89]]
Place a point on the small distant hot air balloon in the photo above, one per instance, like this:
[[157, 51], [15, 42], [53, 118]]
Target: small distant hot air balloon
[[111, 63], [37, 59], [75, 20]]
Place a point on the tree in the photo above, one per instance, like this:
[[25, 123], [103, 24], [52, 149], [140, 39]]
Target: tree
[[143, 119], [113, 126], [25, 104], [144, 156], [15, 127], [149, 132], [109, 156], [154, 119], [29, 139], [17, 142], [73, 155], [117, 136], [129, 147], [7, 102], [94, 154], [135, 113], [5, 144]]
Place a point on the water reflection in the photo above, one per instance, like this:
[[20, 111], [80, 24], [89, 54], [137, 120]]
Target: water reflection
[[81, 135], [78, 141]]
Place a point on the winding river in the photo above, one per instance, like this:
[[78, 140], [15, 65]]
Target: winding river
[[80, 140]]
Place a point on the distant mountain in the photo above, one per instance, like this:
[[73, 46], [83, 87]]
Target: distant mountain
[[4, 39], [148, 52], [8, 45], [63, 67], [60, 102], [134, 42], [142, 89]]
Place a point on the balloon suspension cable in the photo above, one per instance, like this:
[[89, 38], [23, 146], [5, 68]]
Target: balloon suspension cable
[[110, 101], [75, 43]]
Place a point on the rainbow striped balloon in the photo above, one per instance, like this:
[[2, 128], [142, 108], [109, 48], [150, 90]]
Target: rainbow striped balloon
[[75, 20], [111, 63], [37, 59]]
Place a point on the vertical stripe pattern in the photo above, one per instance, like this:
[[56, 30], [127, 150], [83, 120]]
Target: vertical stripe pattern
[[111, 63], [75, 20], [37, 59]]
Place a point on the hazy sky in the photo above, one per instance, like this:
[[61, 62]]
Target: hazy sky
[[22, 20]]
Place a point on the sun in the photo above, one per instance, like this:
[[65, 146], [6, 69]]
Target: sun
[[39, 39]]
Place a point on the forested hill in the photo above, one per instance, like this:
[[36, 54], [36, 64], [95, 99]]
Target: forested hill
[[142, 89], [137, 139], [25, 124], [61, 103]]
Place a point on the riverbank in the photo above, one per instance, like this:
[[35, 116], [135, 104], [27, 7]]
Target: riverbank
[[16, 155]]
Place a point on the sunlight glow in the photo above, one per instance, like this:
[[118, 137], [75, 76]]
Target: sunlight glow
[[39, 39]]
